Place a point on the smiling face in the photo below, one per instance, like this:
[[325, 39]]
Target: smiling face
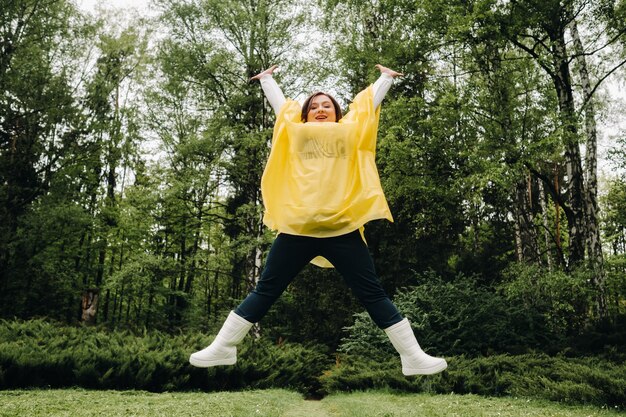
[[322, 110], [321, 107]]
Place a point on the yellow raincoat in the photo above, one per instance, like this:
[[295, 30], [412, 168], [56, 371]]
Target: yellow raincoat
[[321, 179]]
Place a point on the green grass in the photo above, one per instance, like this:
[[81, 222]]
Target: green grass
[[275, 403]]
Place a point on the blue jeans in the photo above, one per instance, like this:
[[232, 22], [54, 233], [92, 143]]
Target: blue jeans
[[348, 253]]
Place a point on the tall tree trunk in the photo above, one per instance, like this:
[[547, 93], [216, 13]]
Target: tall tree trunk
[[527, 247], [180, 302], [593, 240], [557, 216], [519, 250], [109, 222], [546, 227], [575, 186], [191, 275], [105, 313]]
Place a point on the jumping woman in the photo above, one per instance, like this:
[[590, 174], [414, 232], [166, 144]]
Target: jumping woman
[[320, 186]]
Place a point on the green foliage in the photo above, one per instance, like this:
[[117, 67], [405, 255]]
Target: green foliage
[[37, 353], [534, 310], [42, 354], [562, 299], [456, 317], [38, 133], [584, 380], [307, 302], [616, 284], [50, 277], [614, 205]]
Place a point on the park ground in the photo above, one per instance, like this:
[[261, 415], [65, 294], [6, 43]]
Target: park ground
[[277, 403]]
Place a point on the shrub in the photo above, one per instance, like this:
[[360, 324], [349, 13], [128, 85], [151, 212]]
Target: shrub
[[41, 354], [615, 267], [457, 317], [563, 300], [571, 380]]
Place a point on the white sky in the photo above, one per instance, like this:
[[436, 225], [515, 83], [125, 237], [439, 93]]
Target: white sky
[[91, 5]]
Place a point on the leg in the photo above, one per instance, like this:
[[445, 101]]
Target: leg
[[287, 256], [350, 256]]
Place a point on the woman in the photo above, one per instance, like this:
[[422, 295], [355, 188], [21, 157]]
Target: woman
[[320, 186]]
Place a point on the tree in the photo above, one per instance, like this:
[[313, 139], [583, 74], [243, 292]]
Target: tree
[[40, 126], [540, 29], [111, 127], [213, 50]]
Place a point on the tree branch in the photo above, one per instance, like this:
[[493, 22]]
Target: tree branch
[[535, 55], [595, 87], [555, 195], [608, 43]]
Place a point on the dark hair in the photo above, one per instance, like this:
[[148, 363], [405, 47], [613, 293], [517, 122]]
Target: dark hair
[[306, 107]]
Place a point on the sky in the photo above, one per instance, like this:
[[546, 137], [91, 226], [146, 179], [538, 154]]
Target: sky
[[90, 5]]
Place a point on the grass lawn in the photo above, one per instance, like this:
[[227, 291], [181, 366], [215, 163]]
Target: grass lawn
[[274, 403]]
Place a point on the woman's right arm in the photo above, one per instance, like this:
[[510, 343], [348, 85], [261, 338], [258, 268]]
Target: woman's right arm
[[383, 84], [272, 91]]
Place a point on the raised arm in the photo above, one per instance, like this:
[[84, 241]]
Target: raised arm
[[272, 91], [383, 83]]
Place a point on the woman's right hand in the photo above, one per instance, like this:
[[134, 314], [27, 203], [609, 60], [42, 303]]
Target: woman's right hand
[[269, 71], [389, 71]]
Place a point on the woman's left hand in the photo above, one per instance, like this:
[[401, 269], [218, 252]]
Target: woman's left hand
[[268, 71], [389, 71]]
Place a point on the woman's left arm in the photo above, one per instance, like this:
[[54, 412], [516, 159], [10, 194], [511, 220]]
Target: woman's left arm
[[272, 91], [383, 84]]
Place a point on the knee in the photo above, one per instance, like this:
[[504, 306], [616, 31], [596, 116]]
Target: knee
[[268, 288], [370, 298], [370, 293]]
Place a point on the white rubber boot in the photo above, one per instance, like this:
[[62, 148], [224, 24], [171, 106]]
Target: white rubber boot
[[223, 350], [414, 360]]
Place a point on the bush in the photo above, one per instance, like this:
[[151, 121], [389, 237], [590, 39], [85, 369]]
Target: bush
[[453, 318], [37, 353], [41, 354], [571, 380], [563, 300], [615, 268]]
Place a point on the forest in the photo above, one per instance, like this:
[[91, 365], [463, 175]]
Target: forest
[[132, 148]]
